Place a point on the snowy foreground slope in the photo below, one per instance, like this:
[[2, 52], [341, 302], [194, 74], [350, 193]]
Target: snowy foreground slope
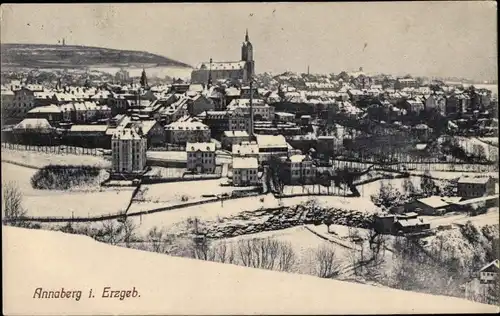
[[170, 285]]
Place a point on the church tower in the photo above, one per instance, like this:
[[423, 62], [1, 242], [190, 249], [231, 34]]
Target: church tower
[[247, 56]]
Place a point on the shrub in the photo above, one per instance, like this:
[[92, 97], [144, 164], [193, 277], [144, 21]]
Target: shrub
[[470, 232], [55, 177]]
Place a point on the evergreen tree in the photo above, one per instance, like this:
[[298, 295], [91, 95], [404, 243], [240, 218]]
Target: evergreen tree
[[144, 79]]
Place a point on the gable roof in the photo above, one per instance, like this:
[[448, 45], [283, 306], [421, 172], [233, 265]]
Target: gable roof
[[494, 266]]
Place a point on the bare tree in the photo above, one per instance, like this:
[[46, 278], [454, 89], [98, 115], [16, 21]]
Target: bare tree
[[266, 254], [110, 232], [12, 203], [156, 238], [287, 258], [129, 231], [326, 263]]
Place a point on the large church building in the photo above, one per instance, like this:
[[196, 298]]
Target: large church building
[[209, 72]]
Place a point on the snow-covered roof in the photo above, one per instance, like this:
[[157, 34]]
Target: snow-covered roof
[[271, 141], [235, 134], [245, 148], [205, 147], [217, 288], [33, 123], [88, 128], [227, 65], [494, 263], [434, 201], [245, 163], [190, 125], [475, 180], [46, 109], [297, 158], [411, 222], [126, 134]]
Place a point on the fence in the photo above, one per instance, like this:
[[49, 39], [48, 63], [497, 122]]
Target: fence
[[59, 149]]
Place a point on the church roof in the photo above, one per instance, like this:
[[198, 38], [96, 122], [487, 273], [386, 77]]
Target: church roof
[[225, 65]]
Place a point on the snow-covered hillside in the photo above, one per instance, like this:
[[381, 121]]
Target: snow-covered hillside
[[169, 285]]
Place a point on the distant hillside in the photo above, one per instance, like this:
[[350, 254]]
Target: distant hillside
[[72, 56]]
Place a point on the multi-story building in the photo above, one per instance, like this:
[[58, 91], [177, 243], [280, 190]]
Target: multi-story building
[[217, 121], [271, 145], [174, 111], [239, 122], [52, 113], [128, 151], [245, 171], [200, 157], [299, 169], [261, 110], [246, 149], [24, 100], [231, 138], [187, 132], [469, 187]]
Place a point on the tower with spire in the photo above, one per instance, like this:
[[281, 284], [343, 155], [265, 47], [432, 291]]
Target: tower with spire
[[247, 57]]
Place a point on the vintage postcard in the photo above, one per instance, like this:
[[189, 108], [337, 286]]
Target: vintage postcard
[[250, 158]]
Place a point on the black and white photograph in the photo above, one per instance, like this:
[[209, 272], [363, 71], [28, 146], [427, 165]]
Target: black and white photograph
[[246, 158]]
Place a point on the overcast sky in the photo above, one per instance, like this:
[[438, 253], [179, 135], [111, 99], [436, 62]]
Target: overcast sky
[[431, 38]]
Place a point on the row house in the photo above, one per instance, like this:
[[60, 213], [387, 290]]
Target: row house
[[187, 132], [200, 157], [245, 171]]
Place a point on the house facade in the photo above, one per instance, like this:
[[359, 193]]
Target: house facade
[[245, 171], [469, 187], [128, 151], [201, 157]]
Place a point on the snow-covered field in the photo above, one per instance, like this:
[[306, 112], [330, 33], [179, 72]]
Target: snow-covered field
[[91, 202], [41, 159], [79, 204], [192, 190], [489, 218], [170, 285], [304, 244], [216, 210]]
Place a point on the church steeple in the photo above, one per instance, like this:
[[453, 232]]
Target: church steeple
[[246, 36]]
